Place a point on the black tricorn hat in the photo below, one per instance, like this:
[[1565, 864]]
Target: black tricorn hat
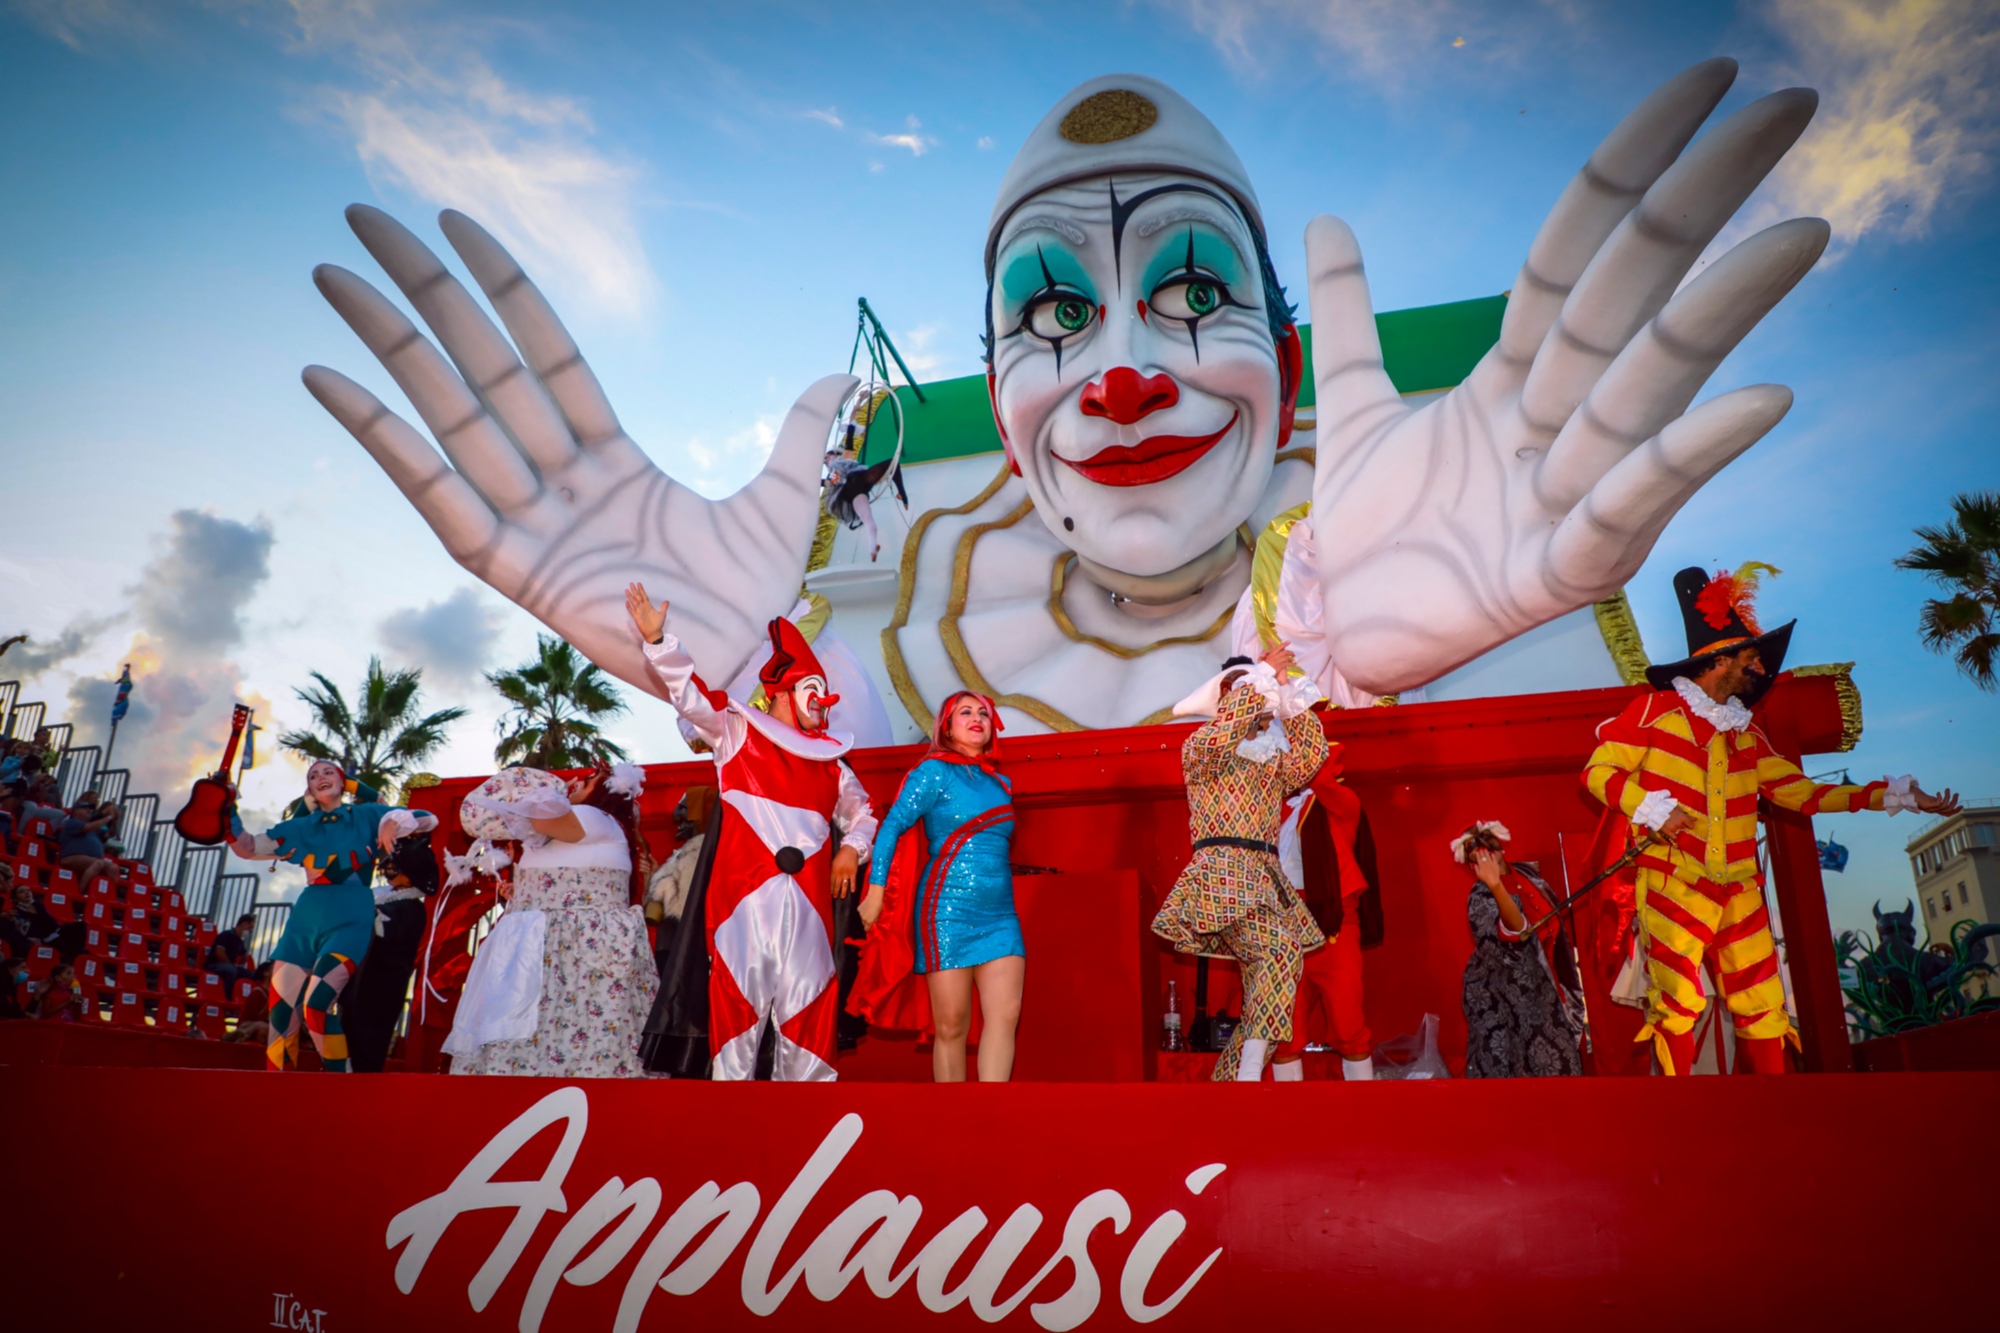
[[1720, 612]]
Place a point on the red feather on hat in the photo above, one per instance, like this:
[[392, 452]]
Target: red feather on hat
[[1735, 592]]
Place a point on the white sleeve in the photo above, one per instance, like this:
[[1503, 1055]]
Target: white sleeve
[[1653, 811], [1244, 640], [1899, 797], [852, 812], [675, 670]]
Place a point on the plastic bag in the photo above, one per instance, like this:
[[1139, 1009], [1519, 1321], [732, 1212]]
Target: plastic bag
[[1412, 1055]]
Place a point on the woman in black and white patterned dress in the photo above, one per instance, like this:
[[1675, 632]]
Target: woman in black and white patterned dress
[[1519, 1023]]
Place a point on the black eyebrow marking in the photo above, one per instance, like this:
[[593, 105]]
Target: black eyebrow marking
[[1122, 210]]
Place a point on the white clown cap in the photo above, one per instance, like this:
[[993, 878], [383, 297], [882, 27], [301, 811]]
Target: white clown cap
[[1119, 122]]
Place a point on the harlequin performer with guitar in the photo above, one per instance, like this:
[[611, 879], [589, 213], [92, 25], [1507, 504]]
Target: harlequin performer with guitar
[[333, 920]]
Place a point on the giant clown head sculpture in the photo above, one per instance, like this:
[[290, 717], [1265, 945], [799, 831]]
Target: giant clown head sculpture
[[1144, 365]]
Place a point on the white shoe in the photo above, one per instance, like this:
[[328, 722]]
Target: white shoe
[[1358, 1071]]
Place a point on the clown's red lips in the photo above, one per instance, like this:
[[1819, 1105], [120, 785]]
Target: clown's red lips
[[1149, 460]]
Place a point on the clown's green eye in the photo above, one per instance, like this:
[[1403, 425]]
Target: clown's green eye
[[1059, 314], [1185, 297]]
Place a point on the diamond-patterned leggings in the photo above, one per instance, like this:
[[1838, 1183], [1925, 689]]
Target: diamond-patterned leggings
[[1271, 962], [320, 989]]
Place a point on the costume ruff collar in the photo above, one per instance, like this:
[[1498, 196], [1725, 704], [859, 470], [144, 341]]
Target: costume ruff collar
[[829, 744], [1731, 716]]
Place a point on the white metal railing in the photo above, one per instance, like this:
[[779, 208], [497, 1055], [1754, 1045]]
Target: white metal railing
[[1934, 822]]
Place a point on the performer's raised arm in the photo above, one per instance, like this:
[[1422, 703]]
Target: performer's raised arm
[[703, 709], [1782, 783]]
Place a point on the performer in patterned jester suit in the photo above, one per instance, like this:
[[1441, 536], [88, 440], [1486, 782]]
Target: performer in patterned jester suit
[[333, 922], [1233, 899], [1685, 767], [770, 897]]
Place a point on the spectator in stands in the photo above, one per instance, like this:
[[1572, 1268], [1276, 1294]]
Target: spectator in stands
[[10, 761], [41, 801], [80, 839], [44, 746], [56, 997], [12, 793], [229, 957], [14, 988], [24, 922]]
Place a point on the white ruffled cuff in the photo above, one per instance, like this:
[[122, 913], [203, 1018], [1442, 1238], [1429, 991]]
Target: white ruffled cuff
[[398, 824], [1901, 795], [1653, 811]]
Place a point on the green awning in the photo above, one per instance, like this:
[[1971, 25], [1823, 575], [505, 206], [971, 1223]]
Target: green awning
[[1427, 348]]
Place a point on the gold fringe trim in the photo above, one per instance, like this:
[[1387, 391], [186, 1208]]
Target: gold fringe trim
[[823, 535], [1848, 694], [1621, 636]]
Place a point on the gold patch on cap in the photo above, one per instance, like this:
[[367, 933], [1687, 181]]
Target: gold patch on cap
[[1107, 117]]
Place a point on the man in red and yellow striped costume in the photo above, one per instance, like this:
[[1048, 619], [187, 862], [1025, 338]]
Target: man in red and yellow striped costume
[[1686, 767]]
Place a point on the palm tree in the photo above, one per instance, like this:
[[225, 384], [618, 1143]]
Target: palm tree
[[383, 740], [557, 701], [1963, 556]]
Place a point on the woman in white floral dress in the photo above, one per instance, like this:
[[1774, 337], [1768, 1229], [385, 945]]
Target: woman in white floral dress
[[563, 983]]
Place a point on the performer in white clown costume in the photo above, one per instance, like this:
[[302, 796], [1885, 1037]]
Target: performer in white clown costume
[[770, 897]]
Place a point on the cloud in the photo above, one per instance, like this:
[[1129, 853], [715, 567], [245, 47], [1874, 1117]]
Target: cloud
[[1387, 40], [1909, 111], [830, 116], [71, 21], [191, 595], [31, 659], [918, 143], [985, 142], [190, 602], [453, 639], [722, 468], [429, 115]]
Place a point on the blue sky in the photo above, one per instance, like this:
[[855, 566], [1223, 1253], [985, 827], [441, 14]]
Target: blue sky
[[703, 191]]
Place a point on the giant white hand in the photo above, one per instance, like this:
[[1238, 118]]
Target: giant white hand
[[545, 497], [1540, 484]]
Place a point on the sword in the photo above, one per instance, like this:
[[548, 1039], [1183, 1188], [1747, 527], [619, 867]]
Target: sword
[[1608, 872]]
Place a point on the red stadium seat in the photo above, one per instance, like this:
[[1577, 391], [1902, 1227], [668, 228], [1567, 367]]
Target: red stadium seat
[[36, 849], [171, 1013], [131, 975], [210, 1021], [140, 921], [98, 941], [172, 924], [64, 880], [128, 1009], [40, 828], [172, 981], [100, 888], [208, 988], [93, 971], [173, 952], [62, 906], [42, 960], [133, 944], [241, 991]]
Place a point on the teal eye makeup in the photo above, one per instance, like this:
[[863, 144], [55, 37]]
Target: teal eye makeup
[[1191, 279], [1053, 295]]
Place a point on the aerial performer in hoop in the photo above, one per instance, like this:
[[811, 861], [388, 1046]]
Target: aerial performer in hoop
[[770, 896], [1681, 771], [949, 916], [333, 921], [849, 482], [1145, 375]]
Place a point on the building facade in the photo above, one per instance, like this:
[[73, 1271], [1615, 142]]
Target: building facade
[[1956, 862]]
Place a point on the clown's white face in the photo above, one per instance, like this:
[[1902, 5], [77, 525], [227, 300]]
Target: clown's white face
[[811, 703], [1136, 379]]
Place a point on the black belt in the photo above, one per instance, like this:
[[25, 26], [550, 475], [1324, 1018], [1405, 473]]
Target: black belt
[[1246, 844]]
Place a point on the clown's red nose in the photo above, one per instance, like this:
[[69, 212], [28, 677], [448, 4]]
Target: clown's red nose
[[1124, 395]]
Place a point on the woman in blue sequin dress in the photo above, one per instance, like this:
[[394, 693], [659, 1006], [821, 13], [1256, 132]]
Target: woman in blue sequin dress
[[963, 930]]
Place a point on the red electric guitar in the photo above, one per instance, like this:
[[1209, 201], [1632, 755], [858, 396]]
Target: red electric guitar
[[204, 820]]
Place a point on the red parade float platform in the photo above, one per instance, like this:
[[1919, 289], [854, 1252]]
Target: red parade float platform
[[1098, 1187]]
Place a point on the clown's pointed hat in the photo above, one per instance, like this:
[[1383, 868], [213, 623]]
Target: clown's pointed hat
[[791, 661], [1720, 611], [1120, 123]]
